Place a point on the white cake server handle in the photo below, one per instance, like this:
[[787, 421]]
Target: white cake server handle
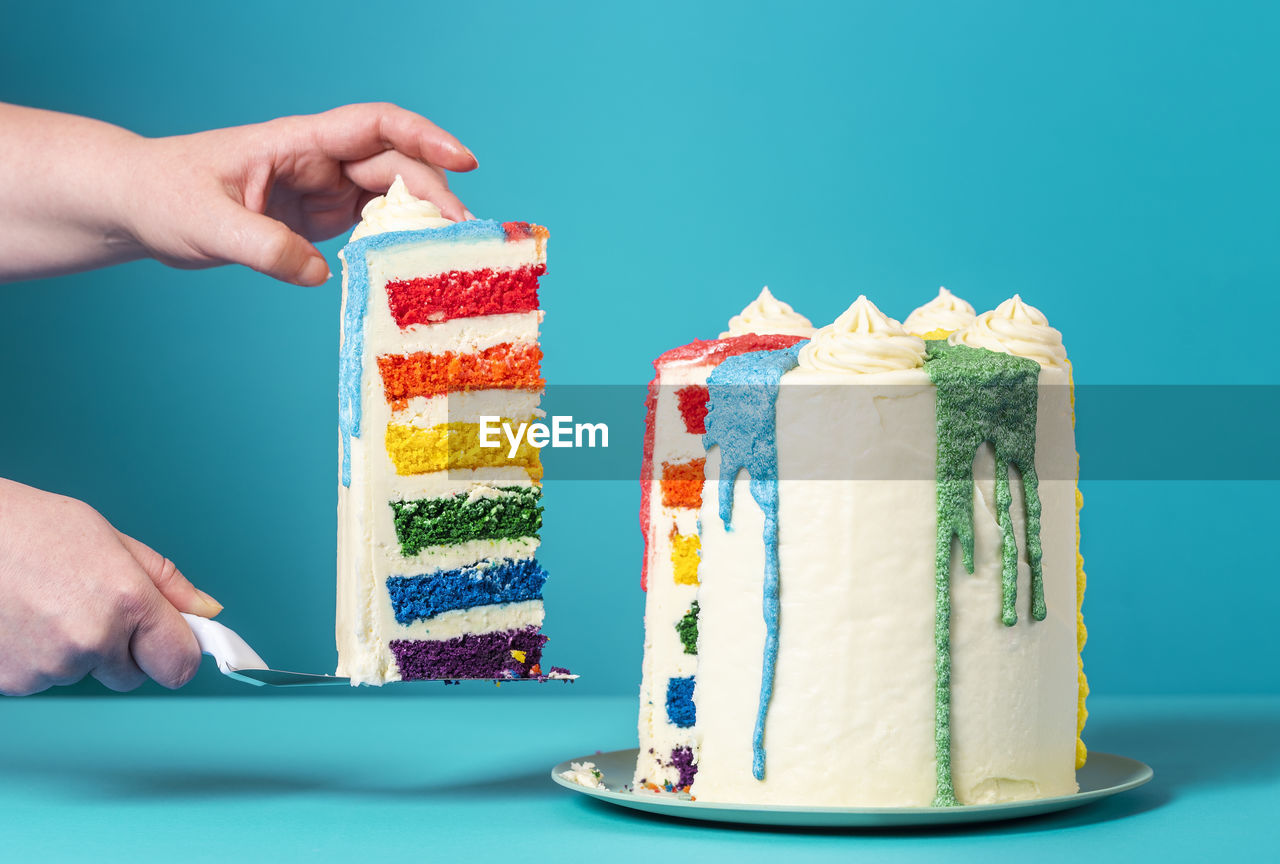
[[237, 660], [224, 645]]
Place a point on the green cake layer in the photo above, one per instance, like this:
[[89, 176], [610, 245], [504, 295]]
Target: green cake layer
[[687, 628], [514, 513]]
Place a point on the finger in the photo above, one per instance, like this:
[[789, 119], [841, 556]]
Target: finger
[[377, 173], [438, 171], [165, 575], [22, 684], [119, 673], [163, 645], [266, 245], [359, 131]]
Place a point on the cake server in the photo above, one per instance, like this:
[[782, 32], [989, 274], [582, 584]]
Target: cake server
[[237, 660]]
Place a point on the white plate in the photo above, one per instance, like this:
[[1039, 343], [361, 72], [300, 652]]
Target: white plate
[[1102, 776]]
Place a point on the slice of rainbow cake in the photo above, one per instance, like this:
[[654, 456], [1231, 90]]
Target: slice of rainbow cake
[[436, 533]]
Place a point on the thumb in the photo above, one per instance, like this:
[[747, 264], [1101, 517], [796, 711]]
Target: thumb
[[268, 246], [165, 575]]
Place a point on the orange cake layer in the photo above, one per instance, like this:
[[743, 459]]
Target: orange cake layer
[[501, 367], [682, 483]]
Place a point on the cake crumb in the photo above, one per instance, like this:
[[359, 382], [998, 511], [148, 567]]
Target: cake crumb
[[584, 774]]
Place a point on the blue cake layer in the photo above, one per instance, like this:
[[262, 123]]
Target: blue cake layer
[[417, 598], [680, 709]]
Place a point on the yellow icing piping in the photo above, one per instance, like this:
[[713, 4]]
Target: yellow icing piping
[[1082, 635], [1082, 712], [940, 333]]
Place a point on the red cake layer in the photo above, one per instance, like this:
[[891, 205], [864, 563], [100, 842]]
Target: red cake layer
[[692, 401], [501, 367], [464, 294], [714, 352]]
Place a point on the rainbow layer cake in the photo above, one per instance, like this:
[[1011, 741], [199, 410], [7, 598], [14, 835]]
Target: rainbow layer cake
[[437, 577], [865, 544]]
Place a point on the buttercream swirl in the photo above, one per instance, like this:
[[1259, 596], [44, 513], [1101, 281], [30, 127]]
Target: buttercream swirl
[[1018, 328], [862, 340], [944, 312], [768, 315], [398, 210]]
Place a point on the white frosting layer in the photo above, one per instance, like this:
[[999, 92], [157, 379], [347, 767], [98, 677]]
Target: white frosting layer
[[765, 315], [497, 618], [398, 210], [467, 407], [471, 334], [862, 340], [1015, 327], [451, 557], [944, 312], [421, 260], [851, 719], [441, 483]]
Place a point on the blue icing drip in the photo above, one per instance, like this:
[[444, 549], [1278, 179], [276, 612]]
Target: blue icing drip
[[742, 420], [417, 598], [355, 256], [680, 708]]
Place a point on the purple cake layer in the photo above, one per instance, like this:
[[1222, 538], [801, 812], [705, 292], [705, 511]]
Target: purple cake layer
[[509, 654], [682, 761]]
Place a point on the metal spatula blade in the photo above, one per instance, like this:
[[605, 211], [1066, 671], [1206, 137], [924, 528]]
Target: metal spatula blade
[[237, 660]]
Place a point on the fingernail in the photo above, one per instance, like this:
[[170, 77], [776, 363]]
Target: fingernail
[[468, 215], [213, 605], [312, 273], [472, 155]]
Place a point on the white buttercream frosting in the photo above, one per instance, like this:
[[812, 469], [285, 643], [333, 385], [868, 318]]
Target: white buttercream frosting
[[944, 312], [857, 558], [398, 210], [768, 315], [1015, 327], [862, 340]]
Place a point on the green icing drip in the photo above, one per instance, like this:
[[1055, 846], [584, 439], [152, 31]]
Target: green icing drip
[[687, 628], [438, 521], [981, 396]]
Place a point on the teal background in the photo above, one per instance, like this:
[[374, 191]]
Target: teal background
[[1113, 162]]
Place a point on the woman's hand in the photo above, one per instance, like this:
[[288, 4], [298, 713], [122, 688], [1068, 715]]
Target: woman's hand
[[80, 598], [77, 193]]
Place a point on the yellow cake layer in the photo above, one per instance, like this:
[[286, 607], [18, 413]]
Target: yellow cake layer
[[684, 558], [456, 446]]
